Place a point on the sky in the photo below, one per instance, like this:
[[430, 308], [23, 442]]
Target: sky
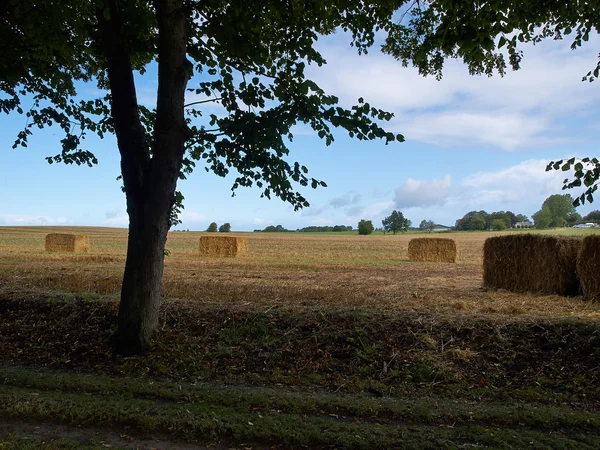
[[472, 143]]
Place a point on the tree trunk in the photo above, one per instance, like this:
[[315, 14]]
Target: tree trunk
[[150, 180]]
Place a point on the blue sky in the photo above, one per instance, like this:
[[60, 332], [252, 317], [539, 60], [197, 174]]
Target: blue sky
[[471, 143]]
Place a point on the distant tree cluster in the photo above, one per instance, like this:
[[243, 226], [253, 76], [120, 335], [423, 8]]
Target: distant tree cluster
[[427, 225], [557, 211], [482, 220], [274, 229], [322, 229], [592, 216], [213, 228]]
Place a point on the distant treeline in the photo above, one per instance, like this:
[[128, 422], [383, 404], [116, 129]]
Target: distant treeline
[[311, 229]]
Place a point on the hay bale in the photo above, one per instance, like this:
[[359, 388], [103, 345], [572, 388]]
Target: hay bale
[[228, 246], [532, 263], [433, 250], [588, 266], [62, 242]]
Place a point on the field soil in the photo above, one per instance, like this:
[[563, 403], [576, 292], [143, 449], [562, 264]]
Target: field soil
[[318, 340]]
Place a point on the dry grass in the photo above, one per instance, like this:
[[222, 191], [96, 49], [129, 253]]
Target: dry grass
[[433, 250], [532, 263], [63, 242], [588, 267], [291, 270], [223, 246]]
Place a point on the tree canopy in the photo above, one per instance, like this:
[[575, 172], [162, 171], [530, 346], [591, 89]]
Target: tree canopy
[[557, 210], [396, 222], [365, 227]]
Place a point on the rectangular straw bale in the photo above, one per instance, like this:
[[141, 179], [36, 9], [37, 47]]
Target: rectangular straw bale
[[63, 242], [433, 250], [229, 246], [532, 263], [588, 266]]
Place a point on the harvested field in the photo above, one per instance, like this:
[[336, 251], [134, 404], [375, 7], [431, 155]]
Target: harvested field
[[433, 250], [223, 246], [291, 270], [588, 267], [532, 263]]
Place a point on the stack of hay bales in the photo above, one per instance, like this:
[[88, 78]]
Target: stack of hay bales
[[62, 242], [532, 263], [588, 266], [229, 246], [433, 250]]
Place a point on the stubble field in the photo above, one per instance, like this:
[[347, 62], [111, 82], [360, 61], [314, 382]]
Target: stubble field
[[296, 270]]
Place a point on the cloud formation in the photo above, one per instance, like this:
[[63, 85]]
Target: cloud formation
[[519, 110], [413, 193]]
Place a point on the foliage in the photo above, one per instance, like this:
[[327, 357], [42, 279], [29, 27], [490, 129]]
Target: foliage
[[592, 216], [212, 228], [558, 208], [498, 225], [586, 172], [325, 228], [225, 228], [427, 225], [396, 222], [543, 218], [573, 218], [473, 220], [500, 216], [481, 220], [365, 227], [273, 229]]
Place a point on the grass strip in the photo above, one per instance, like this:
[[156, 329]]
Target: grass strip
[[280, 417]]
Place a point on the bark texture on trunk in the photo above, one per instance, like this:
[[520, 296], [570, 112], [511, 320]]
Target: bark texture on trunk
[[150, 179]]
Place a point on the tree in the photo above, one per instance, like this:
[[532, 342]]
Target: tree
[[396, 222], [560, 207], [501, 216], [593, 216], [573, 218], [365, 227], [498, 225], [252, 56], [543, 218], [427, 225], [473, 220], [212, 228], [225, 228]]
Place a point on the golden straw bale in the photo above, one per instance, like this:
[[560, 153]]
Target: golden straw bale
[[433, 250], [532, 263], [230, 246], [63, 242], [588, 266]]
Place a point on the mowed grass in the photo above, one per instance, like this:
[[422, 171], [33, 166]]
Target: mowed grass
[[293, 270]]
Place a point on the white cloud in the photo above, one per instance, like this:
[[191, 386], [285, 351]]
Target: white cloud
[[349, 198], [508, 131], [519, 181], [20, 220], [261, 221], [520, 188], [121, 220], [522, 109], [422, 192]]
